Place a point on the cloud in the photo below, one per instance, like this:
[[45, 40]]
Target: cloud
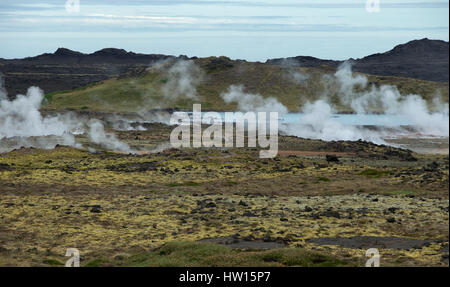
[[273, 24], [152, 19]]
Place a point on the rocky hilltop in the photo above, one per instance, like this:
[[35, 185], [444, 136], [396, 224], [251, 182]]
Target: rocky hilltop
[[423, 59]]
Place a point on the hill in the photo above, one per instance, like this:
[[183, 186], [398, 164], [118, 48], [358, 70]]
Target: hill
[[419, 59], [147, 88]]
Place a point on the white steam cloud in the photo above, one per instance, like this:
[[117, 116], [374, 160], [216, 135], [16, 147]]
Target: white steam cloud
[[252, 102], [318, 121], [298, 77], [184, 76], [97, 135], [21, 118], [22, 124], [347, 81], [120, 123]]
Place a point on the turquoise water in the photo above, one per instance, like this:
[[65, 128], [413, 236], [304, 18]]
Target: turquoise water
[[345, 119], [355, 120]]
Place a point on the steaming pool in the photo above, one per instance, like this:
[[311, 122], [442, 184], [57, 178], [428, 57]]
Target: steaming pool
[[395, 130], [345, 119], [429, 136], [354, 119]]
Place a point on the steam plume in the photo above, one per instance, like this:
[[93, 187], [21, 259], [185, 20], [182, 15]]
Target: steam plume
[[352, 89], [21, 123], [252, 102], [184, 76], [97, 135]]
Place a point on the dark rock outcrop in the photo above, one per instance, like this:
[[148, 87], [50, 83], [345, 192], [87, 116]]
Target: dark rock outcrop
[[423, 59]]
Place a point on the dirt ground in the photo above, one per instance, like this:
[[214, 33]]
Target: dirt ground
[[116, 206]]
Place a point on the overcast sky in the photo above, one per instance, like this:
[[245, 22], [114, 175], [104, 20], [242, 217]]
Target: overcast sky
[[248, 29]]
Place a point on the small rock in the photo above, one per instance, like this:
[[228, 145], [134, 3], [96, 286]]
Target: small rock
[[330, 213], [392, 209], [249, 214], [242, 203], [308, 209], [96, 209], [332, 158], [210, 205]]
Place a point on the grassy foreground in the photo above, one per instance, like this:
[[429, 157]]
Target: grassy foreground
[[194, 254]]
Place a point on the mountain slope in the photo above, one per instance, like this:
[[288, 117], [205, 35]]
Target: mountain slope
[[144, 89], [419, 59]]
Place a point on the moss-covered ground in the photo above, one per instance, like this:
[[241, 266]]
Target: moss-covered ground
[[153, 209]]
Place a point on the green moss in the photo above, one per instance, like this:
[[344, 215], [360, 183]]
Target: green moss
[[99, 262], [53, 262], [311, 259], [192, 183], [208, 254], [189, 183], [232, 183], [404, 192], [374, 173], [272, 257]]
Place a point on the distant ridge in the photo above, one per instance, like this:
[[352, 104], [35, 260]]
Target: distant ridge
[[104, 56], [67, 70], [423, 59]]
